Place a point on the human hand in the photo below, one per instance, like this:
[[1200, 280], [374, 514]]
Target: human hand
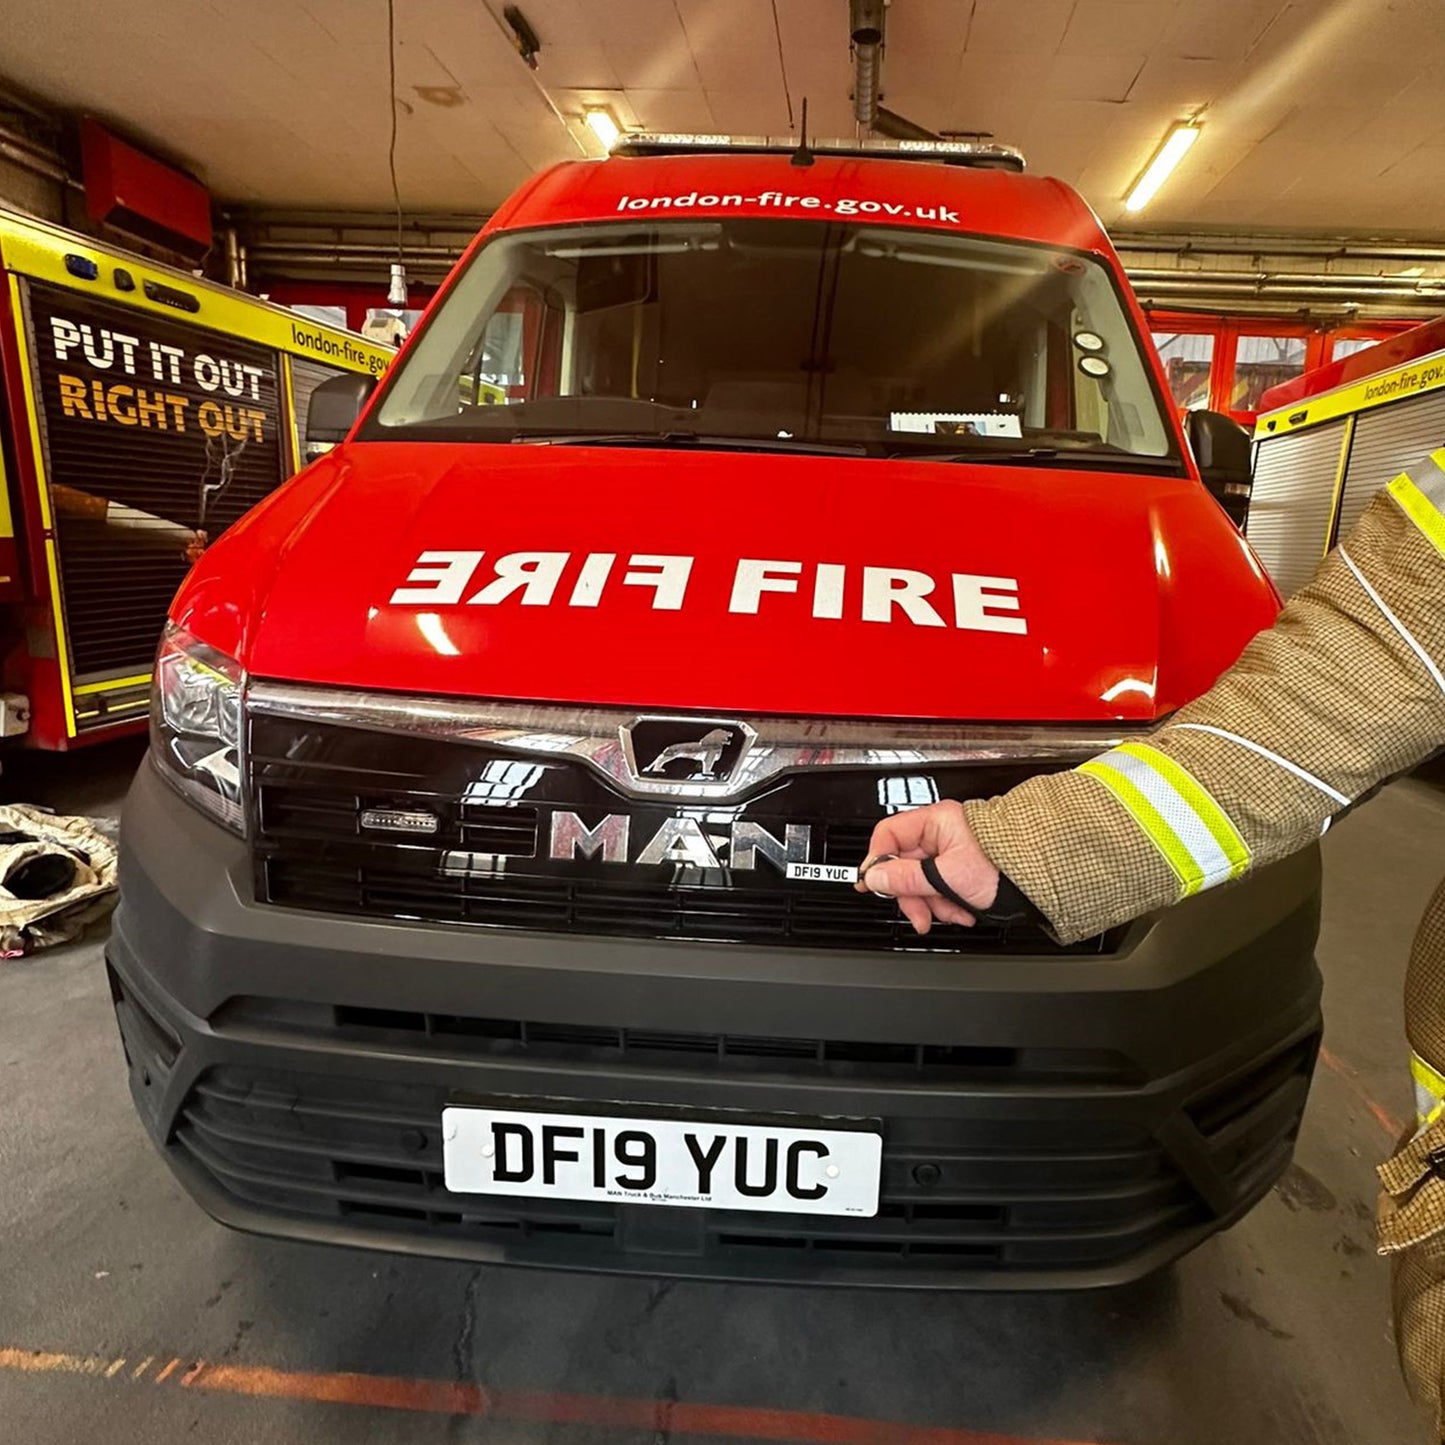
[[941, 832]]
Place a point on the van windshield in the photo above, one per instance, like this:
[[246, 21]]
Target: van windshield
[[781, 333]]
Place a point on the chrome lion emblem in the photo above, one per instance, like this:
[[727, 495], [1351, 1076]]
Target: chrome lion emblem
[[682, 755], [707, 752]]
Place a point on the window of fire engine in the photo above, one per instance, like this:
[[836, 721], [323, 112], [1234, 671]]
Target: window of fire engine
[[1188, 359], [791, 333], [1343, 346], [1262, 362]]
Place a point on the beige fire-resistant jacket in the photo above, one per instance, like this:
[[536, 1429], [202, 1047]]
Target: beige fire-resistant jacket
[[1346, 690]]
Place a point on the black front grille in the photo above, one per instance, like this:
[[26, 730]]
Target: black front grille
[[370, 1154], [483, 859], [605, 1045], [998, 1193], [559, 906]]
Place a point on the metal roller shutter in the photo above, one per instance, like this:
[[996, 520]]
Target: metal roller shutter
[[1387, 441], [306, 376], [153, 431], [1293, 498]]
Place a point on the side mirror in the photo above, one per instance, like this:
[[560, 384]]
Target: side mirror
[[1222, 448], [333, 410]]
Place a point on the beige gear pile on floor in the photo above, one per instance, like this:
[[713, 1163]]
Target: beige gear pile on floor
[[1345, 691], [56, 876]]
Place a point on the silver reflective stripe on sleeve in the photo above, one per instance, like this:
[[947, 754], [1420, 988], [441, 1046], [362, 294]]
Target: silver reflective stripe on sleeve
[[1301, 773], [1394, 621], [1420, 494], [1428, 475]]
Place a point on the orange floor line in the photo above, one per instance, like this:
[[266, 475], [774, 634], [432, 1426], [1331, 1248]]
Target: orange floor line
[[1382, 1116], [447, 1397]]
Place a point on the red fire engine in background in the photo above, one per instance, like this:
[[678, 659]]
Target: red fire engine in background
[[142, 411], [1227, 363]]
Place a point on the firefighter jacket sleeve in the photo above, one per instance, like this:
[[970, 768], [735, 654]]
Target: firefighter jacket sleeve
[[1344, 691]]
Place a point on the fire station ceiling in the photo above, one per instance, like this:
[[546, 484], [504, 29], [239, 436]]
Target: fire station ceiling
[[1318, 116]]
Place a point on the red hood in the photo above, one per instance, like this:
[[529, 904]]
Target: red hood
[[1081, 595]]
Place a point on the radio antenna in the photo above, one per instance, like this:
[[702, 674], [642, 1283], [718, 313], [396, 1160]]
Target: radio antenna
[[803, 156]]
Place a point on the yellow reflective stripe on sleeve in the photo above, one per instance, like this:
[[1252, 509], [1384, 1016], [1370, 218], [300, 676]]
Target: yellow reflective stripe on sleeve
[[1206, 809], [1416, 505], [1160, 834], [1420, 493], [1429, 1091], [1191, 831]]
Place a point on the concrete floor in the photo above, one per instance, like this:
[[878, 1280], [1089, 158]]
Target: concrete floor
[[1277, 1332]]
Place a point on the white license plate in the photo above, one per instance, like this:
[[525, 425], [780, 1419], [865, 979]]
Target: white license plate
[[705, 1163], [822, 872]]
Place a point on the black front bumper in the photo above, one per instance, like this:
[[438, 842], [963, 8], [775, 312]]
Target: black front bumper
[[1049, 1121]]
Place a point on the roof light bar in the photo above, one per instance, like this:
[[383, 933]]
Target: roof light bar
[[984, 154], [1175, 147]]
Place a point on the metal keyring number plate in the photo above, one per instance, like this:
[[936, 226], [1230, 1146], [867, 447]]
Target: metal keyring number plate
[[868, 863]]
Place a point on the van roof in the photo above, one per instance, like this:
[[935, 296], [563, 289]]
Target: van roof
[[862, 187]]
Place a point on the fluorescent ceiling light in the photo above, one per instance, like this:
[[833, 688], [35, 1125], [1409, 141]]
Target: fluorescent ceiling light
[[603, 126], [1176, 146]]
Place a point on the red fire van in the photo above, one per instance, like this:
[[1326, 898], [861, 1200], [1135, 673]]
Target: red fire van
[[487, 890]]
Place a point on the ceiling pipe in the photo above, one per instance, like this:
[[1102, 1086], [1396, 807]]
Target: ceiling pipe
[[1422, 286], [444, 254], [466, 223], [235, 264], [20, 151], [865, 32], [373, 267], [1323, 248]]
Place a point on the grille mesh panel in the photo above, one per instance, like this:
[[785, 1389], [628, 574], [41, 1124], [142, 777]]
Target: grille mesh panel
[[602, 1044], [477, 853], [1010, 1195], [371, 1155]]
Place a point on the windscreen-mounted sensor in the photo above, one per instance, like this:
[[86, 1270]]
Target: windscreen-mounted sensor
[[982, 155]]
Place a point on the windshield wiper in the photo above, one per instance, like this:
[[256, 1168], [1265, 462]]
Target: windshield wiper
[[1044, 455], [691, 441]]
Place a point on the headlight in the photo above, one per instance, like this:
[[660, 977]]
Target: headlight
[[196, 725]]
